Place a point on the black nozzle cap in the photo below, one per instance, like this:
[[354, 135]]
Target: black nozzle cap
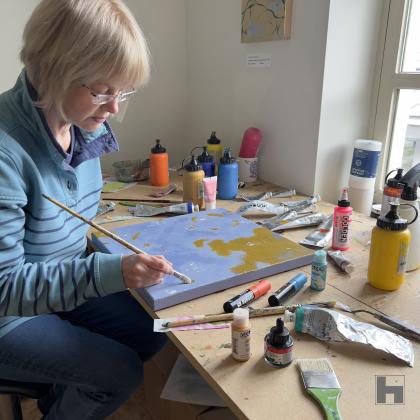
[[205, 157], [392, 220], [227, 157], [158, 148], [410, 193], [279, 335], [213, 139], [193, 165]]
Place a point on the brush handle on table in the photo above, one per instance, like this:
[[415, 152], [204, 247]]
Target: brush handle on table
[[408, 329], [328, 399]]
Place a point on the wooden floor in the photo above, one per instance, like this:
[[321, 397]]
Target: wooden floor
[[134, 409]]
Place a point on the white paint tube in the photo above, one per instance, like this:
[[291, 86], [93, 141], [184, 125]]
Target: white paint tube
[[341, 261], [330, 325], [259, 205], [142, 210], [320, 237], [275, 223], [302, 204], [266, 195]]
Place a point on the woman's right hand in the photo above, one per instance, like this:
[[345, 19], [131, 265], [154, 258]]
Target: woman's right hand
[[141, 270]]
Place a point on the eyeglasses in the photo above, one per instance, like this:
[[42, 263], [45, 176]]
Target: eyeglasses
[[101, 98]]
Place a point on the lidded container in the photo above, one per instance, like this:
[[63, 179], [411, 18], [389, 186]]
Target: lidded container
[[388, 250], [363, 174], [207, 163], [192, 183], [227, 179], [214, 147], [159, 166]]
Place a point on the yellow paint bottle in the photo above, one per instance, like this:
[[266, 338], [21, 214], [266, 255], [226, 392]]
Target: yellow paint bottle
[[388, 251]]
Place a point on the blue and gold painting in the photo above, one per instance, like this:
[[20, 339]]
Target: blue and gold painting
[[217, 249]]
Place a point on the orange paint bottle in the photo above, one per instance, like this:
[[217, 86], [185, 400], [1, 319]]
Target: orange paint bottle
[[159, 166]]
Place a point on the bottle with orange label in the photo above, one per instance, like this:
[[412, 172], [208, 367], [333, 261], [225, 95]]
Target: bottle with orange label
[[159, 166], [393, 189]]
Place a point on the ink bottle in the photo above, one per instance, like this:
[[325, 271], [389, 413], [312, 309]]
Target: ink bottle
[[278, 346], [241, 335]]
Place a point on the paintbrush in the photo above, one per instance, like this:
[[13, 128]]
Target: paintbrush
[[253, 313], [320, 382], [404, 327], [185, 279]]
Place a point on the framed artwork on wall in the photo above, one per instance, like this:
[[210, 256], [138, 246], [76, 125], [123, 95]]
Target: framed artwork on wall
[[265, 20]]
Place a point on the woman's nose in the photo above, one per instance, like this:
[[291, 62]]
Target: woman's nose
[[112, 106]]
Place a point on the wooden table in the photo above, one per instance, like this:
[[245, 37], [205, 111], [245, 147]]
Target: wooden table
[[254, 390]]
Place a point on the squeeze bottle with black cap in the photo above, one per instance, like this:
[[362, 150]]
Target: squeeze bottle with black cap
[[227, 179], [207, 163], [392, 190], [159, 167], [388, 250], [192, 183], [410, 183], [214, 147], [278, 345]]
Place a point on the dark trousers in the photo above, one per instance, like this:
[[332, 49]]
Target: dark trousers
[[93, 355]]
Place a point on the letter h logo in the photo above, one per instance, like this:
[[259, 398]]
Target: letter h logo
[[391, 386]]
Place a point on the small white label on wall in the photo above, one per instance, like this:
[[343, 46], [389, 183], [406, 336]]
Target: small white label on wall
[[258, 60]]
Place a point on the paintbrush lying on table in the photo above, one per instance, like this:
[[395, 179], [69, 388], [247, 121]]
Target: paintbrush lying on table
[[253, 313], [185, 279]]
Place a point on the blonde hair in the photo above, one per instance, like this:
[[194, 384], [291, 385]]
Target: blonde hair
[[70, 42]]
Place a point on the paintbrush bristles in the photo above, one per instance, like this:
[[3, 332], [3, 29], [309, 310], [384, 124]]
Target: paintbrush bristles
[[185, 279], [318, 365]]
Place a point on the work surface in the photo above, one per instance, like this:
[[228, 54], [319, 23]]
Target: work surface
[[254, 390]]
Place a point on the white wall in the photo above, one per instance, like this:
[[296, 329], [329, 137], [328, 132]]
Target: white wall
[[310, 116], [351, 51], [13, 16], [284, 100]]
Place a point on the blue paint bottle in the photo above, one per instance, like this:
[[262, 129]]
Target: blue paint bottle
[[227, 178], [207, 163]]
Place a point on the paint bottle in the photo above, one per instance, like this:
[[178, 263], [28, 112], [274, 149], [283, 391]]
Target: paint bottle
[[341, 224], [241, 335], [363, 174], [392, 191], [319, 270], [227, 179], [215, 149], [192, 183], [411, 182], [207, 163], [278, 346], [389, 249], [159, 167], [247, 296]]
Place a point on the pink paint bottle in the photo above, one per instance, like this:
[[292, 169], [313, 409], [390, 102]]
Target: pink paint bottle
[[342, 219]]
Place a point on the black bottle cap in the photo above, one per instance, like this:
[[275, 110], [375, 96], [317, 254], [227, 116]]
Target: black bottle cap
[[213, 139], [205, 157], [410, 193], [392, 220], [227, 157], [411, 182], [158, 148], [193, 165], [278, 335]]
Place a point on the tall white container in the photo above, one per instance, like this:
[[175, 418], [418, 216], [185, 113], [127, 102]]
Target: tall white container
[[363, 174]]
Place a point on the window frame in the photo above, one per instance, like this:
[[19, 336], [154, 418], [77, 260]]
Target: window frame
[[389, 80]]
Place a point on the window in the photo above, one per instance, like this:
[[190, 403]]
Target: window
[[397, 116]]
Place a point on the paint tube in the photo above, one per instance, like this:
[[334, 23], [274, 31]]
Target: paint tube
[[165, 191], [210, 188], [266, 195], [330, 325], [320, 237], [142, 210], [277, 223], [302, 204], [341, 261], [263, 206]]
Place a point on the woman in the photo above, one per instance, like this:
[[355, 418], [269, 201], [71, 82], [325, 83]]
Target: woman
[[65, 316]]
